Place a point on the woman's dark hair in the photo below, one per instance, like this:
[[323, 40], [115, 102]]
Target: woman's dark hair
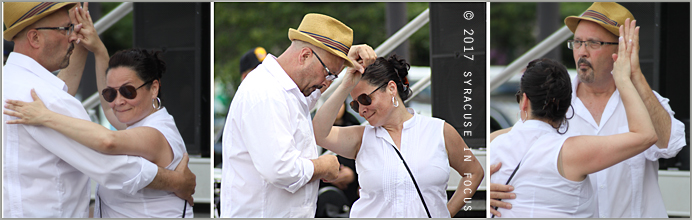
[[549, 89], [391, 68], [147, 64]]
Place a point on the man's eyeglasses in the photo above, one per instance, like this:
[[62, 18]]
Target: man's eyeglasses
[[575, 44], [69, 29], [364, 99], [330, 76], [127, 91]]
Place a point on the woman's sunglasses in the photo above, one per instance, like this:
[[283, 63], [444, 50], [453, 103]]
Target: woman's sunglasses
[[364, 99], [127, 91]]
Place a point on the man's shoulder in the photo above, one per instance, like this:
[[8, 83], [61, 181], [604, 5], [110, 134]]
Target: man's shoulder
[[18, 87], [260, 87]]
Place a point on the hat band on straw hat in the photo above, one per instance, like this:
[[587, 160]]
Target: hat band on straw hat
[[36, 10], [599, 17], [336, 45]]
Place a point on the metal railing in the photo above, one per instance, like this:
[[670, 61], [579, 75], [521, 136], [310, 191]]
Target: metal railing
[[538, 51]]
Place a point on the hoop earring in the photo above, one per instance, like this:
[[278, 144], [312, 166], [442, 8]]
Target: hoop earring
[[395, 103], [154, 101], [526, 118]]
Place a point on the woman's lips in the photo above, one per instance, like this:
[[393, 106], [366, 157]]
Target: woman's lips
[[120, 111]]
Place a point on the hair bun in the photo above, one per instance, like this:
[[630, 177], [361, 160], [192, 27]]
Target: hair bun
[[391, 68], [160, 64], [548, 86], [401, 67]]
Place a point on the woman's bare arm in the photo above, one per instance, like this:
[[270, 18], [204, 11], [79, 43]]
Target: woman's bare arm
[[146, 142], [466, 164]]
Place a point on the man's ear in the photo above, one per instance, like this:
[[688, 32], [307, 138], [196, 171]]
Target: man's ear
[[304, 54], [34, 38]]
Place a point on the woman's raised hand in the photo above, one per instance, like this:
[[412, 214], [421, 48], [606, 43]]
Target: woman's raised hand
[[30, 113], [622, 66], [87, 36]]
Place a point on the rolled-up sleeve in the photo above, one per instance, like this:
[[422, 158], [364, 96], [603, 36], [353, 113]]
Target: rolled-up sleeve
[[677, 135], [117, 172], [268, 133]]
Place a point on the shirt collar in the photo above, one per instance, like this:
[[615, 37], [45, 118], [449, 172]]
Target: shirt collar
[[581, 111], [37, 69], [536, 125], [156, 113], [575, 84], [411, 121], [278, 72], [382, 133]]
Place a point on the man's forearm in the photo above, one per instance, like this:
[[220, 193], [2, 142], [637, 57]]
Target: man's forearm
[[659, 116], [164, 180]]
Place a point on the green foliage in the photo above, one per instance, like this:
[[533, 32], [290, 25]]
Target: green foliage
[[239, 27], [513, 29], [118, 36]]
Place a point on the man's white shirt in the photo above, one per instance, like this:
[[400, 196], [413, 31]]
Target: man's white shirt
[[268, 144], [630, 188], [46, 174]]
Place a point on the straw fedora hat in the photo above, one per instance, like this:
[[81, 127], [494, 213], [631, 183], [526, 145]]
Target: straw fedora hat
[[19, 15], [609, 15], [325, 32]]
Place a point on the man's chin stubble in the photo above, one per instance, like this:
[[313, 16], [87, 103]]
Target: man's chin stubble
[[66, 61]]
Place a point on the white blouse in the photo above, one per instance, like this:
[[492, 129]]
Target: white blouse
[[387, 190], [148, 202], [541, 191]]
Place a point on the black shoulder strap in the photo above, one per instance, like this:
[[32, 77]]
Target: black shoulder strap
[[184, 208], [510, 179]]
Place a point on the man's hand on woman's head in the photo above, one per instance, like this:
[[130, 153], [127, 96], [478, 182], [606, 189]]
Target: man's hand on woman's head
[[361, 56]]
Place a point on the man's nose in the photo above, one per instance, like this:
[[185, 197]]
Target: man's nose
[[582, 51], [72, 37]]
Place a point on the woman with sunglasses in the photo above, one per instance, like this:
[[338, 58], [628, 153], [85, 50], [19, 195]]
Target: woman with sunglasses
[[130, 97], [548, 170], [429, 146]]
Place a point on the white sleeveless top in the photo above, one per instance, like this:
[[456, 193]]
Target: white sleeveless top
[[387, 190], [148, 202], [541, 191]]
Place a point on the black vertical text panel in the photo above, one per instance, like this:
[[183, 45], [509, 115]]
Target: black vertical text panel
[[183, 30], [458, 65]]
